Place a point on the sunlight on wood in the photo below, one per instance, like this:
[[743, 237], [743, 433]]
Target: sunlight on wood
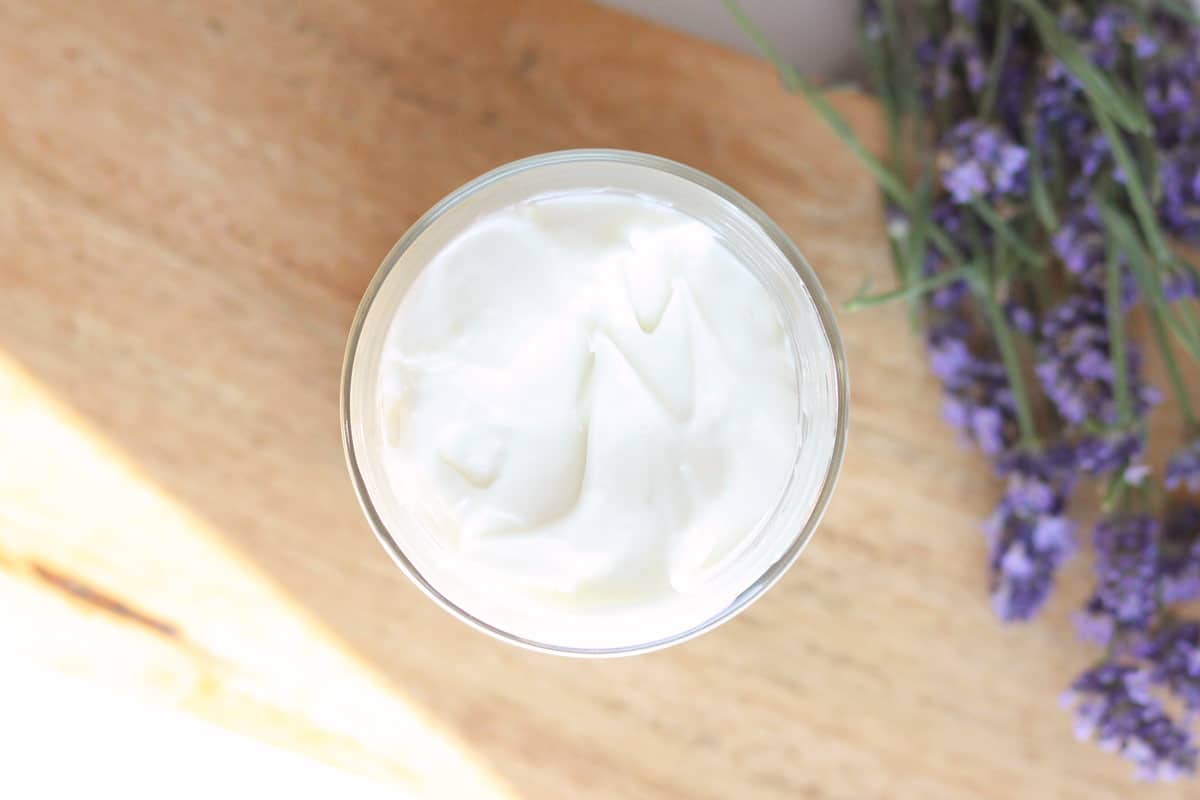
[[104, 578]]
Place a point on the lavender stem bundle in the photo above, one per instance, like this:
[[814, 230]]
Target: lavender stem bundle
[[1042, 172]]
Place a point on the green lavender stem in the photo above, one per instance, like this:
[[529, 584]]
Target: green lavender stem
[[917, 243], [794, 82], [1178, 387], [999, 55], [1147, 151], [1116, 336], [903, 61], [1002, 266], [1114, 494], [1039, 194], [1138, 198], [916, 288], [877, 65], [1010, 357]]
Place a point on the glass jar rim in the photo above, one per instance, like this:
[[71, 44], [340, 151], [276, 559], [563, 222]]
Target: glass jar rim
[[776, 237]]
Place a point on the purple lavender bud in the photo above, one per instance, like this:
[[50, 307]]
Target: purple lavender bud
[[979, 160], [1180, 205], [1094, 365], [926, 56], [1011, 94], [1093, 624], [965, 181], [1183, 468], [1080, 241], [1145, 46], [1103, 454], [975, 394], [1060, 108], [1174, 656], [1172, 83], [1136, 473], [1127, 560], [1020, 317], [958, 54], [1029, 534], [1009, 175], [949, 353], [988, 428], [1113, 704], [1096, 155], [973, 63], [967, 9], [1111, 28]]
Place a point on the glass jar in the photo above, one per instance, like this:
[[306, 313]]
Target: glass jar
[[756, 241]]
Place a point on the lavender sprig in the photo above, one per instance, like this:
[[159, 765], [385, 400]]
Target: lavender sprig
[[1056, 149], [1114, 705]]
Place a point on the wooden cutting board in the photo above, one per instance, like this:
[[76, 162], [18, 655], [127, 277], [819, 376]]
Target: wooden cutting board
[[195, 195]]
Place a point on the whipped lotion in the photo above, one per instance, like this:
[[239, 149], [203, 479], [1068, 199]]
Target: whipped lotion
[[589, 407]]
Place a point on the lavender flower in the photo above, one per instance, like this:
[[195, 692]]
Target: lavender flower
[[1179, 559], [976, 397], [1018, 68], [1080, 244], [1094, 624], [1020, 317], [925, 54], [1118, 451], [1174, 656], [1113, 704], [1029, 534], [1075, 367], [1112, 28], [981, 161], [1060, 110], [1180, 206], [1172, 85], [1127, 560], [1183, 470], [1096, 154], [959, 54]]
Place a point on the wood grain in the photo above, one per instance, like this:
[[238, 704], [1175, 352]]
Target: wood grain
[[196, 194]]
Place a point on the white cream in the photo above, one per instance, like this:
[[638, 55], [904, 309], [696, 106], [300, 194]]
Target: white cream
[[589, 407]]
